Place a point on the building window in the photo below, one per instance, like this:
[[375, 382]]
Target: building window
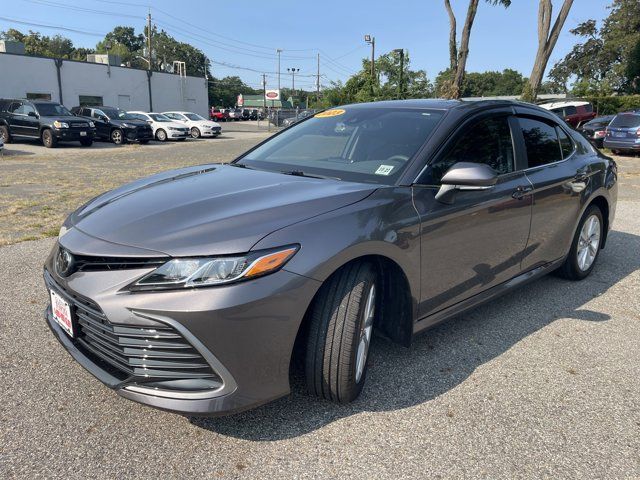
[[90, 100], [38, 96]]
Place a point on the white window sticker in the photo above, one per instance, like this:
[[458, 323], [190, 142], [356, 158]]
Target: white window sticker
[[384, 169]]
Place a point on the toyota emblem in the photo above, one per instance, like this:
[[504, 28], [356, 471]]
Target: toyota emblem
[[64, 262]]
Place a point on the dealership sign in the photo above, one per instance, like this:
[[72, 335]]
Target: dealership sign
[[240, 100], [272, 94]]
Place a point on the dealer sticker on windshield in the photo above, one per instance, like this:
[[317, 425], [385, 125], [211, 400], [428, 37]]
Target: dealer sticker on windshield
[[330, 113], [384, 169]]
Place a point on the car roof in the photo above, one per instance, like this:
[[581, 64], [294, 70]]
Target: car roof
[[571, 103], [466, 106]]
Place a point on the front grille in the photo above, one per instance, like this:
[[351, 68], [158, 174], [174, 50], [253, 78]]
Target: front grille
[[133, 353], [83, 263], [79, 125]]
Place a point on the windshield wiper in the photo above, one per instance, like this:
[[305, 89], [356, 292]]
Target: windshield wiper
[[300, 173]]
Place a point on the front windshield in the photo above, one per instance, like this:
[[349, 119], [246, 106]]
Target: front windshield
[[370, 144], [158, 117], [117, 113], [193, 116], [52, 110]]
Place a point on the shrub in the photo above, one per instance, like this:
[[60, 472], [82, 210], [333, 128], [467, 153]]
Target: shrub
[[611, 105]]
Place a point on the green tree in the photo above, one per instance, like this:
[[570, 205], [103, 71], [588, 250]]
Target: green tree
[[224, 92], [125, 43]]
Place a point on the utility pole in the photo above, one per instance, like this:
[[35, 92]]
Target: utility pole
[[279, 51], [401, 52], [264, 92], [149, 38], [318, 83], [372, 41]]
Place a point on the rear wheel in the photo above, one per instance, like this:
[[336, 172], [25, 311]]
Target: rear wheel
[[48, 139], [117, 136], [4, 134], [161, 135], [340, 329], [585, 247], [195, 133]]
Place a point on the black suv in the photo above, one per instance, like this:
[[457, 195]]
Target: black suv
[[116, 125], [49, 121]]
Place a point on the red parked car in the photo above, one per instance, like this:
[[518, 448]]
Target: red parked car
[[574, 112], [217, 115]]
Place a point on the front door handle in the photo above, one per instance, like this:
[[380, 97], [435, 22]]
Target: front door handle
[[520, 192]]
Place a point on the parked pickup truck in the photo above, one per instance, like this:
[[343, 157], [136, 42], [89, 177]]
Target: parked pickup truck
[[43, 119]]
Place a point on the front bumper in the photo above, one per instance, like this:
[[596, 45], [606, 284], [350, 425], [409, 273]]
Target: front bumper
[[178, 134], [137, 134], [245, 331], [213, 132], [74, 134]]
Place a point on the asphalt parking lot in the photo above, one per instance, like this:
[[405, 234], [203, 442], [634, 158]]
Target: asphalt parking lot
[[541, 383]]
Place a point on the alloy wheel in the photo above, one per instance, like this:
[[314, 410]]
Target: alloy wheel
[[588, 243], [365, 332]]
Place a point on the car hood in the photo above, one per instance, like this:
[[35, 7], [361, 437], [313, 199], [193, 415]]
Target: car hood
[[210, 209], [209, 124], [63, 118], [137, 123], [169, 124]]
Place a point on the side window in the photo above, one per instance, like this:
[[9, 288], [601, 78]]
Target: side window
[[95, 113], [15, 107], [487, 141], [570, 110], [25, 109], [566, 144], [541, 142]]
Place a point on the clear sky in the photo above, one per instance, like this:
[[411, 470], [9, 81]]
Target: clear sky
[[246, 33]]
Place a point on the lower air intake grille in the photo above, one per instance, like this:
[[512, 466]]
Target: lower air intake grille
[[136, 353]]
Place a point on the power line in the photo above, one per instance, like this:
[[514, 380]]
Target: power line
[[53, 27], [49, 3]]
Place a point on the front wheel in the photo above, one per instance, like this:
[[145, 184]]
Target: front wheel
[[341, 324], [4, 134], [585, 247], [195, 133], [117, 136], [161, 135], [48, 139]]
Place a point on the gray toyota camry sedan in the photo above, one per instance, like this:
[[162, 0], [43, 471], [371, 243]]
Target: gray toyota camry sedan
[[200, 289]]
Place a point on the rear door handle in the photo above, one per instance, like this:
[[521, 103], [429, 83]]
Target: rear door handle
[[520, 192]]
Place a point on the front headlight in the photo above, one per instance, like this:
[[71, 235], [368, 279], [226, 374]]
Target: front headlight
[[58, 124], [173, 128], [128, 125], [202, 272], [92, 125]]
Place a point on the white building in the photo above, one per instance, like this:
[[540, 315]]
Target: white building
[[75, 83]]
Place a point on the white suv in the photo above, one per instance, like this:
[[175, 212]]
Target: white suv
[[163, 127], [198, 126]]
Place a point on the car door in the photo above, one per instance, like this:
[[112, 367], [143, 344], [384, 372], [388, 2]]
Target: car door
[[17, 121], [559, 180], [103, 128], [477, 241]]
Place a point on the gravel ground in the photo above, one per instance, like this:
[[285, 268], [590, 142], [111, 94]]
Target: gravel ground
[[541, 383]]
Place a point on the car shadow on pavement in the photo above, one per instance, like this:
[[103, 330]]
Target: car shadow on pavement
[[445, 356]]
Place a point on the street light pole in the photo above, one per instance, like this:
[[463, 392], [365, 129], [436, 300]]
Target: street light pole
[[279, 51], [293, 79]]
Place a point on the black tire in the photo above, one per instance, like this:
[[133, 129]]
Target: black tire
[[117, 136], [48, 139], [5, 134], [195, 132], [337, 320], [86, 143], [570, 269], [161, 135], [144, 142]]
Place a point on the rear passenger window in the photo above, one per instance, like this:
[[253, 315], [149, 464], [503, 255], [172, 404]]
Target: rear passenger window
[[488, 141], [541, 141], [570, 110], [566, 145]]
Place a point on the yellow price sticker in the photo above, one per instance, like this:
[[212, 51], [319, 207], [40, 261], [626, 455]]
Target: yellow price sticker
[[330, 113]]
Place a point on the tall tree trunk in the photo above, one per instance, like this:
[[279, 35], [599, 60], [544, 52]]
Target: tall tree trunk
[[453, 47], [547, 38]]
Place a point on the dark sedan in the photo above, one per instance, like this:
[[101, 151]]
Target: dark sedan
[[596, 129], [623, 133], [116, 125], [188, 290]]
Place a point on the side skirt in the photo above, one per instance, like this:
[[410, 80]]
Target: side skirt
[[494, 292]]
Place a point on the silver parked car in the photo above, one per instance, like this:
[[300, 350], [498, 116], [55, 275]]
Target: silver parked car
[[189, 290]]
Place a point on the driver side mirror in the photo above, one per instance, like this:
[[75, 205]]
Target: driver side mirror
[[32, 114], [104, 118], [465, 176]]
